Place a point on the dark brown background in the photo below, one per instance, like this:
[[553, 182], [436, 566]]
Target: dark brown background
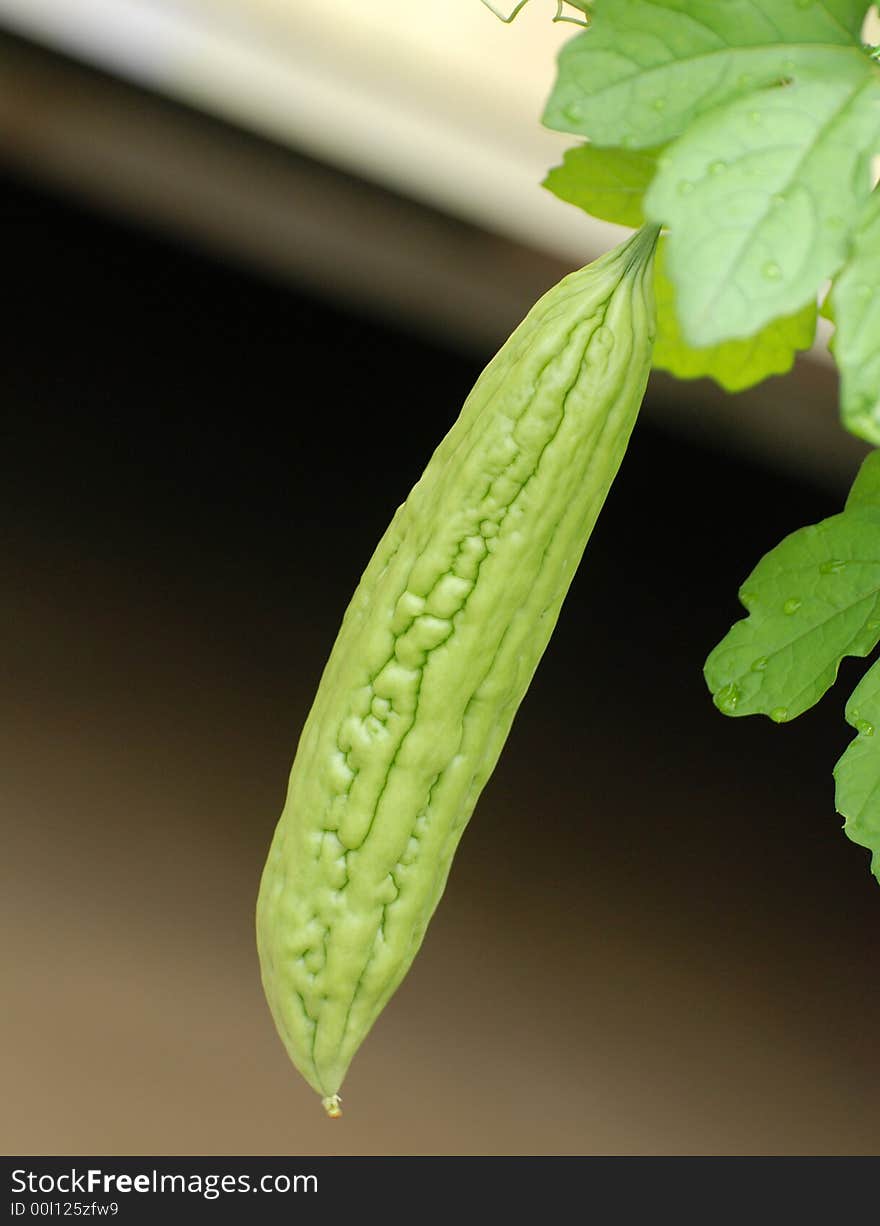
[[655, 939]]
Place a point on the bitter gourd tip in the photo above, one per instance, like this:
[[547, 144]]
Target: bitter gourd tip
[[331, 1106]]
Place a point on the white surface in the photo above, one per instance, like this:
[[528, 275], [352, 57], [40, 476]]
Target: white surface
[[436, 99]]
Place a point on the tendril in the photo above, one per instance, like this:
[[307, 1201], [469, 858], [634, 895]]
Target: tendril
[[507, 20], [559, 16], [583, 22]]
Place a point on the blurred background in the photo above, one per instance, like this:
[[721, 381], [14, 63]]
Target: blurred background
[[255, 256]]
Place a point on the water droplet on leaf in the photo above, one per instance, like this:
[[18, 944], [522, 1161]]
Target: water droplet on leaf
[[728, 697], [718, 168], [759, 665], [864, 727], [778, 714], [791, 606], [772, 271], [685, 187], [659, 104], [574, 111], [832, 567]]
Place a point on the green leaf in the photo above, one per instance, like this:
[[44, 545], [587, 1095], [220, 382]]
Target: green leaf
[[826, 310], [608, 183], [854, 304], [812, 600], [737, 364], [761, 197], [647, 68], [857, 773]]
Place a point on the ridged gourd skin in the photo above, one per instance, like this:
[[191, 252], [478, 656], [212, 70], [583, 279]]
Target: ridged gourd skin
[[435, 654]]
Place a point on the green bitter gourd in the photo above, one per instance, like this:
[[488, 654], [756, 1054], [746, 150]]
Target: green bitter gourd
[[435, 653]]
